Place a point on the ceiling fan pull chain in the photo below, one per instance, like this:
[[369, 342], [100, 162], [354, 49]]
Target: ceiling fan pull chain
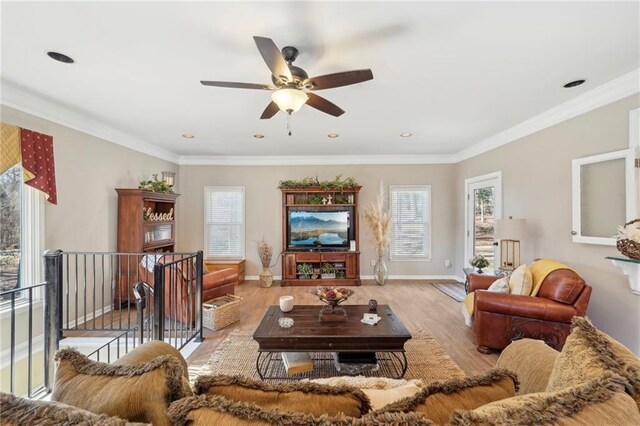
[[289, 122]]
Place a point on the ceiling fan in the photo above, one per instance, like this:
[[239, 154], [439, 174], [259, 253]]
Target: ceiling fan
[[292, 86]]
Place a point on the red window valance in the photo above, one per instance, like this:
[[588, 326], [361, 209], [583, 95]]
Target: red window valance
[[35, 154]]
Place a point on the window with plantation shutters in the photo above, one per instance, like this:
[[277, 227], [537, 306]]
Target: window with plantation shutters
[[410, 222], [224, 222]]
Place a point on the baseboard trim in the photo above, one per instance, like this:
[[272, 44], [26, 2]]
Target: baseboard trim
[[391, 277]]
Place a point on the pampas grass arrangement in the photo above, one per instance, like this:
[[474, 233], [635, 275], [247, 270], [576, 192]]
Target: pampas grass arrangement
[[379, 220], [265, 252]]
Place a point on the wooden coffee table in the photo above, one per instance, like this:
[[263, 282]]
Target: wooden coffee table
[[308, 334]]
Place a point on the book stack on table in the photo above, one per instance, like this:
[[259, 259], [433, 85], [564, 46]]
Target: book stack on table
[[296, 362]]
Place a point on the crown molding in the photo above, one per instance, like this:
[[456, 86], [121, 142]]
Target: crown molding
[[614, 90], [309, 160], [23, 100]]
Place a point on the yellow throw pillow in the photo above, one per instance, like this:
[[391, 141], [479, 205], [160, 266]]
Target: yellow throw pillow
[[303, 397], [138, 392], [600, 401], [520, 281], [207, 410], [440, 399], [589, 353]]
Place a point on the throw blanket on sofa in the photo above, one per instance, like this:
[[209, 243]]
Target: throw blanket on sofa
[[541, 268]]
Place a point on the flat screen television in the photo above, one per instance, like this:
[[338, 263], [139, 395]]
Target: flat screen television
[[319, 229]]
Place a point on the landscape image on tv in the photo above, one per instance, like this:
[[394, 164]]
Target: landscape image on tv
[[319, 228]]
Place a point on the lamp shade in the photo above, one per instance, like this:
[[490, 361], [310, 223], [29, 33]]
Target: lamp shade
[[511, 229], [289, 100]]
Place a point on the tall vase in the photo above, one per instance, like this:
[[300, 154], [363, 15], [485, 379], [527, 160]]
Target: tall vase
[[380, 272]]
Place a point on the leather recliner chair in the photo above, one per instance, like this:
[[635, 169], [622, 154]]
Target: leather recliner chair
[[501, 318], [180, 286]]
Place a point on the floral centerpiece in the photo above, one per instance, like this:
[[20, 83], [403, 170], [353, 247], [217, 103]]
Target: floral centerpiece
[[479, 262], [629, 239]]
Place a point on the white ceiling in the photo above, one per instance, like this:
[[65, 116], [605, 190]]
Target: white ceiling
[[453, 74]]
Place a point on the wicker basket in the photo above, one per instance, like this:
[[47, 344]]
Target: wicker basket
[[627, 247], [221, 311]]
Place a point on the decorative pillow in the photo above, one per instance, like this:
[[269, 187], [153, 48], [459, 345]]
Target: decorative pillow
[[206, 410], [532, 360], [440, 399], [20, 411], [501, 285], [303, 397], [601, 401], [520, 281], [138, 392], [380, 390], [148, 351], [587, 354]]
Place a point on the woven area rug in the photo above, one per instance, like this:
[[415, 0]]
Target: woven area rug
[[237, 355], [453, 290]]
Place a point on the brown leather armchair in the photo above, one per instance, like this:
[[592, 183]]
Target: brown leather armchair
[[180, 287], [501, 318]]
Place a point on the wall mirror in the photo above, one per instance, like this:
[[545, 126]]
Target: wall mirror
[[605, 192]]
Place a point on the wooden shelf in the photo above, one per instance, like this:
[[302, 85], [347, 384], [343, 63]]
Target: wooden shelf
[[132, 229], [292, 257]]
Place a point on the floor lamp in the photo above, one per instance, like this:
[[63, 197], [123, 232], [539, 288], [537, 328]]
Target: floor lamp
[[510, 232]]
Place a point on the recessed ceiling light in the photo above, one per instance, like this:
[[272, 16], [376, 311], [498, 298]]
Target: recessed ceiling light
[[573, 83], [188, 136], [333, 135], [258, 136], [60, 57], [405, 135]]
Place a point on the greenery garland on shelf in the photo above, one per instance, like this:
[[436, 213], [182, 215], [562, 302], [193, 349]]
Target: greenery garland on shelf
[[155, 185], [337, 184]]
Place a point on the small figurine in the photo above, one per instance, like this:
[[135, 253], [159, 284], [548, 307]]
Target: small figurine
[[373, 305], [324, 201], [329, 200]]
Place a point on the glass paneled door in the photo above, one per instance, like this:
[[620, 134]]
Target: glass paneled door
[[483, 207]]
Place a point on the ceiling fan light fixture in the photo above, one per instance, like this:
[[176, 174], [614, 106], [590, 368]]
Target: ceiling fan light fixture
[[406, 135], [289, 100]]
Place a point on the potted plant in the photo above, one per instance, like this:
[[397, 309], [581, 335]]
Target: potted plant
[[304, 271], [327, 271], [265, 252], [479, 262]]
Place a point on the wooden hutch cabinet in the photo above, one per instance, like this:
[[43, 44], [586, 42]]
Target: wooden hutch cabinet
[[319, 232], [146, 223]]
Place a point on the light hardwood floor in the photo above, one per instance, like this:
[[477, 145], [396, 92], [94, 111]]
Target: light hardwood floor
[[419, 305]]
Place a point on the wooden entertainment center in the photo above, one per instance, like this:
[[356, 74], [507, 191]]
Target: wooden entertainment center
[[335, 255]]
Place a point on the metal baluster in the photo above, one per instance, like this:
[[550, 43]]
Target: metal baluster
[[30, 340]]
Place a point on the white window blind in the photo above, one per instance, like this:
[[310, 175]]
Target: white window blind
[[224, 221], [410, 222]]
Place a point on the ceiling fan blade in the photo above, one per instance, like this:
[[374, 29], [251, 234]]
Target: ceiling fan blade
[[270, 111], [339, 79], [321, 104], [235, 85], [274, 59]]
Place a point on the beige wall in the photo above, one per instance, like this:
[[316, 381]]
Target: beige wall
[[263, 207], [536, 177], [87, 171]]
